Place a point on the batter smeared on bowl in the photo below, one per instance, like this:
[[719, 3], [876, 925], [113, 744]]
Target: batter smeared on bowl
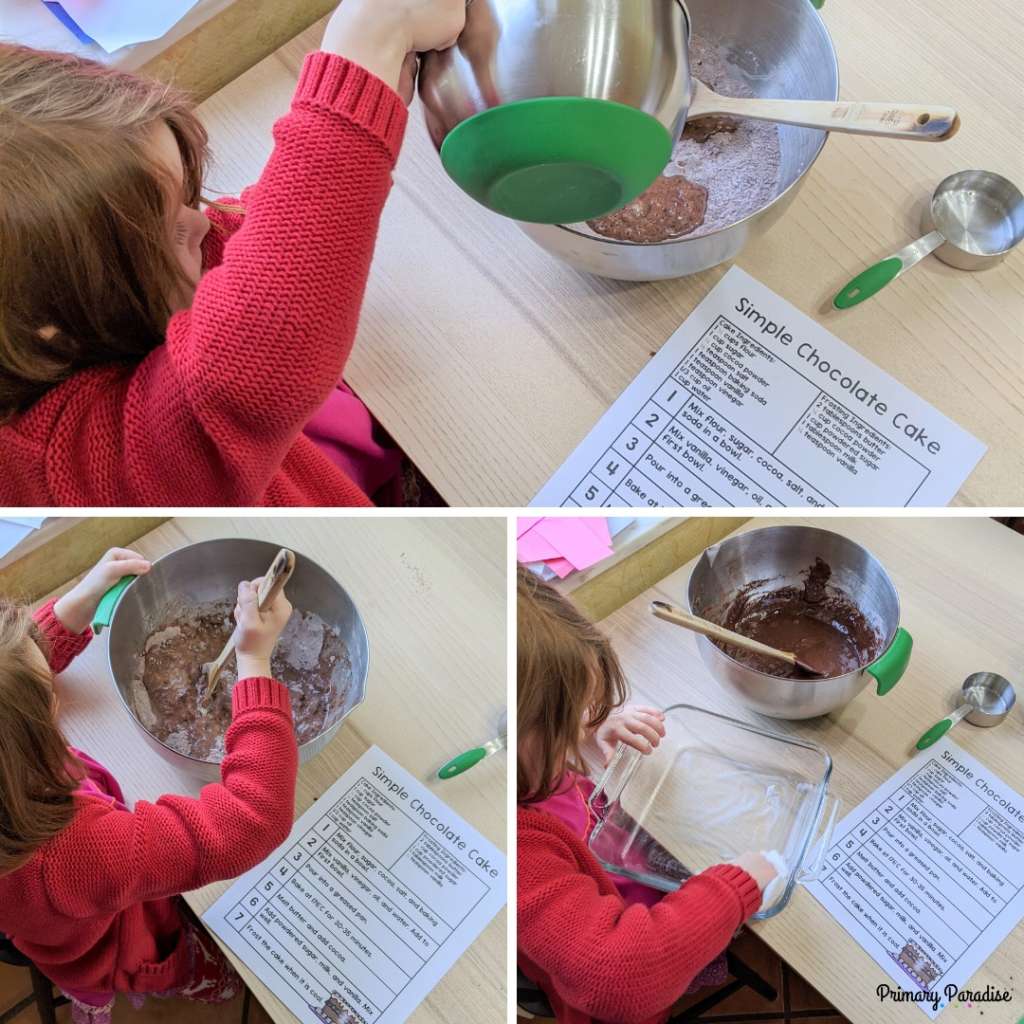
[[817, 620], [722, 169], [310, 658]]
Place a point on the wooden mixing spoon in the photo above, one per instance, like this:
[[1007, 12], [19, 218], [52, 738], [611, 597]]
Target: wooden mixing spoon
[[914, 121], [669, 613], [276, 577]]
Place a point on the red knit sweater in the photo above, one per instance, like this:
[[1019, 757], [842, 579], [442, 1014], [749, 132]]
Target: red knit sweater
[[596, 958], [93, 908], [214, 416]]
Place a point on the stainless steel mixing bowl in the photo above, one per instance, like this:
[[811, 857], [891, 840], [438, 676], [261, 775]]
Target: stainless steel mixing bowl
[[776, 556], [782, 49], [633, 53], [210, 571]]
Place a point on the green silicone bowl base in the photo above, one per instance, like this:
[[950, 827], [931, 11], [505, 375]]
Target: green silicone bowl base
[[556, 160]]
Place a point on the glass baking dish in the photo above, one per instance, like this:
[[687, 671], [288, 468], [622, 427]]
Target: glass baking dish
[[714, 788]]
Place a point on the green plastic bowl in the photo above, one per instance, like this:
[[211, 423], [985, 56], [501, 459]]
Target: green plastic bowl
[[557, 159]]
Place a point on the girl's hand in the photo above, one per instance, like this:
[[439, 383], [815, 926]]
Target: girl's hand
[[638, 727], [258, 631], [380, 34], [758, 867], [77, 607]]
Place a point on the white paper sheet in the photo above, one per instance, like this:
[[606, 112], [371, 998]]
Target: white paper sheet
[[117, 23], [379, 889], [33, 521], [12, 533], [927, 874], [752, 403]]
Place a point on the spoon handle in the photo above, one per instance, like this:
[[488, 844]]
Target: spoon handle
[[695, 624], [273, 581], [871, 281], [916, 122], [939, 729]]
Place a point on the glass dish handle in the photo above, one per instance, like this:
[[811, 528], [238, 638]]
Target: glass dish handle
[[614, 778], [825, 828]]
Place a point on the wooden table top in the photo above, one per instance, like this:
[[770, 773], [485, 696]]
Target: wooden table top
[[959, 584], [488, 361], [432, 595], [192, 54]]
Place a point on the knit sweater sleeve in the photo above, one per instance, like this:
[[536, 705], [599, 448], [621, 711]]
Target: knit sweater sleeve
[[118, 858], [272, 323], [614, 962], [62, 646]]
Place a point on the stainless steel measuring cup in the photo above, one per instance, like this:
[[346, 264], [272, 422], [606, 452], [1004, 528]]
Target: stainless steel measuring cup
[[987, 699], [974, 219]]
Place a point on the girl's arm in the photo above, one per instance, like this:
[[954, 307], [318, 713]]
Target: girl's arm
[[615, 962], [64, 621], [270, 329], [62, 645], [179, 843]]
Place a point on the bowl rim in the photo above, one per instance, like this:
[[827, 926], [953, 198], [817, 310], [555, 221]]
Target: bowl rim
[[791, 680], [201, 762], [834, 64]]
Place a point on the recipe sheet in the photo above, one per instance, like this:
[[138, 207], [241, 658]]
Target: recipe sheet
[[378, 890], [752, 403], [927, 874]]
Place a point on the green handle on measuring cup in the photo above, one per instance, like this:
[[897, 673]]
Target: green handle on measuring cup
[[869, 282], [462, 763], [108, 603], [935, 733]]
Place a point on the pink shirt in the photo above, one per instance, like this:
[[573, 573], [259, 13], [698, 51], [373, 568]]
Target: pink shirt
[[569, 804]]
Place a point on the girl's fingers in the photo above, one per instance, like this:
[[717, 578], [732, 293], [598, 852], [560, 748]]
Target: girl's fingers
[[131, 567], [122, 554], [643, 709], [647, 731], [657, 724], [625, 733], [637, 742]]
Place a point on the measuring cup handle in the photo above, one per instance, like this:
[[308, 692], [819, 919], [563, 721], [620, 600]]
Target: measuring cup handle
[[108, 603], [462, 763], [935, 733], [869, 282]]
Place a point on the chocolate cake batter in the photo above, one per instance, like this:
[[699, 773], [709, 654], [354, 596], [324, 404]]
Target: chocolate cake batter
[[671, 207], [722, 168], [310, 658], [817, 621]]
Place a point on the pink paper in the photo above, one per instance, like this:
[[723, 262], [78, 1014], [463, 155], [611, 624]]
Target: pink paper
[[599, 527], [574, 540], [526, 524], [532, 547], [561, 567]]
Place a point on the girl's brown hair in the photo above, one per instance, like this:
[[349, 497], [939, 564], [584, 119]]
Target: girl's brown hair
[[37, 773], [86, 272], [568, 677]]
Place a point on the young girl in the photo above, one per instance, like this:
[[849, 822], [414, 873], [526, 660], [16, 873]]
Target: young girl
[[601, 949], [154, 354], [88, 888]]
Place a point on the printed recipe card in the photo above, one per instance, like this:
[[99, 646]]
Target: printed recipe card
[[752, 403], [927, 874], [378, 890]]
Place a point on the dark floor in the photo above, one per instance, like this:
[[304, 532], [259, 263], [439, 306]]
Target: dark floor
[[796, 1001], [14, 984]]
